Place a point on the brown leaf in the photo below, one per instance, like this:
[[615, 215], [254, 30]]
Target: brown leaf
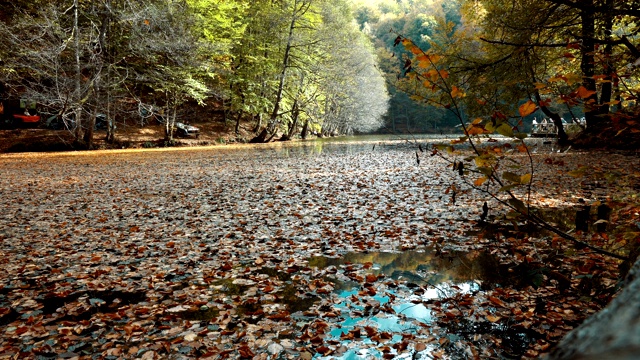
[[497, 302], [245, 352]]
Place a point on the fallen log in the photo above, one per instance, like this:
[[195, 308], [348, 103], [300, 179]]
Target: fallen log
[[612, 333]]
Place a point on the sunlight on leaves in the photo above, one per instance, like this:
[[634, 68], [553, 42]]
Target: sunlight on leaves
[[456, 92], [583, 93], [527, 108]]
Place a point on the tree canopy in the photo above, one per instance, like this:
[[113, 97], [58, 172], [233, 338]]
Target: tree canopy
[[267, 61], [572, 59], [329, 67]]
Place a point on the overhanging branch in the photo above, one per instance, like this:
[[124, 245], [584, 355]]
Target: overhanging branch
[[507, 43]]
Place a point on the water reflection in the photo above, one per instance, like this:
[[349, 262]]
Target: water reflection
[[348, 144], [426, 267], [418, 277]]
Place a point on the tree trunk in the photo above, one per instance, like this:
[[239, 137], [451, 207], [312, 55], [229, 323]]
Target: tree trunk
[[298, 11], [607, 86], [237, 128], [78, 74], [225, 111], [305, 130], [295, 114], [88, 133], [261, 137], [563, 138], [611, 334], [587, 66], [170, 120], [258, 123]]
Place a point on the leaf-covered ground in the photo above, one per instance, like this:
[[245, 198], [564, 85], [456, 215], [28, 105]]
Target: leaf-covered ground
[[290, 252]]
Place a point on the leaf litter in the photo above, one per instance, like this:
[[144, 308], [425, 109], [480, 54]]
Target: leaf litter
[[335, 250]]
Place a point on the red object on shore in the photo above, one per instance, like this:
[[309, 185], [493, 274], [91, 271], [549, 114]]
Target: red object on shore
[[27, 118]]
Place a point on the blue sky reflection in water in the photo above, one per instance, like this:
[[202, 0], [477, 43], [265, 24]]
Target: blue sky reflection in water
[[403, 309]]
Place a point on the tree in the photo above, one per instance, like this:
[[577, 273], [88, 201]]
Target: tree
[[352, 94], [55, 60], [310, 62], [162, 35], [300, 21], [418, 20], [567, 56]]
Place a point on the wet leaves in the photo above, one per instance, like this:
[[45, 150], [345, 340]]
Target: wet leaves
[[240, 254]]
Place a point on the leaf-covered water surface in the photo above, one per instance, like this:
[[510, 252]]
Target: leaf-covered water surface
[[218, 253]]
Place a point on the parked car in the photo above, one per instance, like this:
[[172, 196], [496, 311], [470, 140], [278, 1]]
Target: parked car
[[101, 122], [185, 130], [58, 122]]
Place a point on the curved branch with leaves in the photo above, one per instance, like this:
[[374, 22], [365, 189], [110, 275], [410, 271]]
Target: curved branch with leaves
[[486, 162]]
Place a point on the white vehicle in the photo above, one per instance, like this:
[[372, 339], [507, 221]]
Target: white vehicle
[[185, 130]]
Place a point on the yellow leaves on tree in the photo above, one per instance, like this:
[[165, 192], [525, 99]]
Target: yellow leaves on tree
[[426, 60], [456, 92], [434, 75], [476, 128], [410, 46], [527, 108]]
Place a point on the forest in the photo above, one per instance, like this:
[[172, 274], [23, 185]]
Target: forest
[[292, 69], [320, 179], [287, 67]]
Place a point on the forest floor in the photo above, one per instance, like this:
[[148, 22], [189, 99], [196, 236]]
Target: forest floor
[[298, 251]]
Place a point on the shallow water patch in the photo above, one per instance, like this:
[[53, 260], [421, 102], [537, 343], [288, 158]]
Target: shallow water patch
[[391, 304]]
